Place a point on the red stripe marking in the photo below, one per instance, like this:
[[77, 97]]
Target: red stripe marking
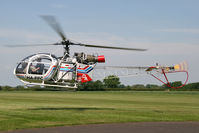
[[83, 68]]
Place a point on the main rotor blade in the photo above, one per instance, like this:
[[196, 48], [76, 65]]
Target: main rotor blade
[[55, 26], [32, 45], [109, 47]]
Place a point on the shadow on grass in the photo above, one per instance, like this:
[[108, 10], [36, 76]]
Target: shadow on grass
[[74, 109]]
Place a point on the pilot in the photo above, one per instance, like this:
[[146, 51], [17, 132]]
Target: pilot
[[38, 68]]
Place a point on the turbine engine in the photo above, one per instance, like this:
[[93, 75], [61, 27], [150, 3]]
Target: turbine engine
[[87, 58]]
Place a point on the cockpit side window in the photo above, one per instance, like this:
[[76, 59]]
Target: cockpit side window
[[39, 66]]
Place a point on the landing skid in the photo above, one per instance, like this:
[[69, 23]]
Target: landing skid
[[52, 85]]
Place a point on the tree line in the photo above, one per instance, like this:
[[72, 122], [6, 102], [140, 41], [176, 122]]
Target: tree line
[[111, 83]]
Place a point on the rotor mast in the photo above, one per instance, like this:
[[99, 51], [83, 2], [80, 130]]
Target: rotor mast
[[66, 47]]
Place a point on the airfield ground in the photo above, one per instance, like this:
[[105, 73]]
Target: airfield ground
[[135, 127], [36, 109]]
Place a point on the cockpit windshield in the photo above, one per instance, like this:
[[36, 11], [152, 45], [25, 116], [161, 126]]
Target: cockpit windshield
[[21, 68]]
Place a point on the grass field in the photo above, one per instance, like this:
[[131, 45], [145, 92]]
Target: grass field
[[27, 109]]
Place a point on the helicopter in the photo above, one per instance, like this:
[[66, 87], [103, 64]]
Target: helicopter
[[45, 69]]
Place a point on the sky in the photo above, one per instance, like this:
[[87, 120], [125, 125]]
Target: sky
[[169, 29]]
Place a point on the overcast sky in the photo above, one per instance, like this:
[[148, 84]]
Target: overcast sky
[[169, 29]]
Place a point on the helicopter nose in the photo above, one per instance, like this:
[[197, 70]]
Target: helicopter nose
[[101, 59]]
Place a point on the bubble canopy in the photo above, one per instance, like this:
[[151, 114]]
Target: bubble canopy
[[37, 65]]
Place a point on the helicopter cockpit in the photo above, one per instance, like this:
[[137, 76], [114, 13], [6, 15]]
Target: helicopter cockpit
[[37, 65]]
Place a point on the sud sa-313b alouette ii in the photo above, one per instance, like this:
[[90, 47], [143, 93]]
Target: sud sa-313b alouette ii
[[46, 69]]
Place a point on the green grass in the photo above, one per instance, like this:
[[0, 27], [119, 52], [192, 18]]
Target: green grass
[[27, 109]]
